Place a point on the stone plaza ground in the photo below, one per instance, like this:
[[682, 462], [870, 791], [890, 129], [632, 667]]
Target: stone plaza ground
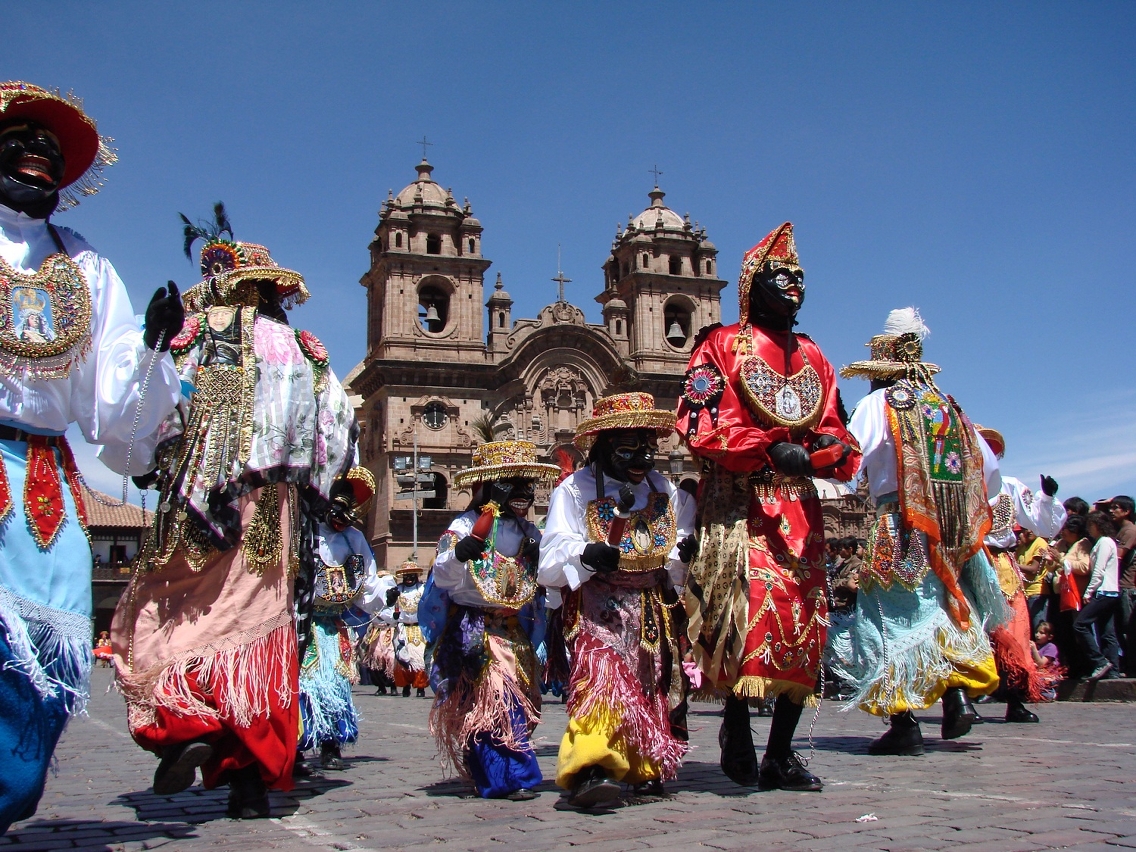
[[1067, 783]]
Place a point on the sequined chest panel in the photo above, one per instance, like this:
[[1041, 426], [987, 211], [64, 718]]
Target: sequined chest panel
[[45, 319], [793, 401], [408, 599], [1004, 515], [648, 538], [337, 586], [504, 581]]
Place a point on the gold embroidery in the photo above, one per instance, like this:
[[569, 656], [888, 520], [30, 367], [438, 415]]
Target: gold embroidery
[[793, 401], [45, 319], [263, 541]]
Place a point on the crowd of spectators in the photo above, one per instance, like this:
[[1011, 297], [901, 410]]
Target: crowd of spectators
[[1080, 587]]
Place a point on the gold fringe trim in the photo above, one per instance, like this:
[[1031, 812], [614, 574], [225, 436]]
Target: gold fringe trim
[[752, 686]]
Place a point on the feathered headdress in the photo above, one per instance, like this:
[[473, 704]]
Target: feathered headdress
[[229, 268], [898, 352]]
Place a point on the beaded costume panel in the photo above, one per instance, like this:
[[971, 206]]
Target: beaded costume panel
[[649, 536], [45, 319], [793, 401]]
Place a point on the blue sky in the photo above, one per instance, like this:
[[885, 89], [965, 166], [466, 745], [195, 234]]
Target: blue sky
[[973, 159]]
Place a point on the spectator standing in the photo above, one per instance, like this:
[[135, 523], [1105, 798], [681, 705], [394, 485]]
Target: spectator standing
[[1122, 510], [1072, 554], [1032, 554], [1100, 600]]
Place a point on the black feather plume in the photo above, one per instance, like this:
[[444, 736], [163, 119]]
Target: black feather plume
[[206, 230]]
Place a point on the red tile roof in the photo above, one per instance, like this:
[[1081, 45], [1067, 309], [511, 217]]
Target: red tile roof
[[115, 515]]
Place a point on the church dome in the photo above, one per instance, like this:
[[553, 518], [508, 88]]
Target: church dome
[[423, 191], [648, 220]]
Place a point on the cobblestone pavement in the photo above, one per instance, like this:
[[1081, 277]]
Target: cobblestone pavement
[[1067, 783]]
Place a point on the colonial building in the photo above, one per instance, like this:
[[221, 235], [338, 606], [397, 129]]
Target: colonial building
[[443, 355]]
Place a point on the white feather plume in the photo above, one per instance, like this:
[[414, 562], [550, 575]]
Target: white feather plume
[[906, 321]]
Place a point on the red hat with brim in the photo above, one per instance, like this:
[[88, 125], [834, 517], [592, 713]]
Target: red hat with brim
[[78, 137]]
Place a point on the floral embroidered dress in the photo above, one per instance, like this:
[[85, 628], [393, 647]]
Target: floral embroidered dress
[[204, 640]]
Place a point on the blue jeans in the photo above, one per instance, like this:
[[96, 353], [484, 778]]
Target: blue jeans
[[1098, 613], [30, 726]]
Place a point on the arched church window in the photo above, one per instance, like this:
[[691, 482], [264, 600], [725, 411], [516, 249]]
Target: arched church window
[[501, 319], [433, 309], [676, 265], [619, 326], [472, 246], [434, 415], [433, 244], [646, 260], [398, 240], [676, 324], [709, 267], [441, 492]]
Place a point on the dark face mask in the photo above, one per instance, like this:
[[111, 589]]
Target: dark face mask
[[341, 513], [31, 168], [630, 454], [521, 497], [776, 296]]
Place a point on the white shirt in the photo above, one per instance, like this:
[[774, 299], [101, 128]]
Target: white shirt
[[869, 424], [453, 576], [566, 530], [1039, 513], [1102, 567], [101, 393], [335, 548]]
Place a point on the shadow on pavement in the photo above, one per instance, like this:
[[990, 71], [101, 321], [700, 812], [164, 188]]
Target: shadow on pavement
[[52, 834], [198, 805]]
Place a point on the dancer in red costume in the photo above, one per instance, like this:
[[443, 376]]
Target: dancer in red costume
[[759, 406]]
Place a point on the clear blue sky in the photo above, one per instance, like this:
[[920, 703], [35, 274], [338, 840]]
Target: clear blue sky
[[973, 159]]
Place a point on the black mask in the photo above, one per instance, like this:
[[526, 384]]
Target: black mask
[[341, 513], [627, 454], [521, 497], [776, 295], [31, 168]]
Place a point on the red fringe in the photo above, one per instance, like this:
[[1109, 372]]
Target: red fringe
[[1011, 644]]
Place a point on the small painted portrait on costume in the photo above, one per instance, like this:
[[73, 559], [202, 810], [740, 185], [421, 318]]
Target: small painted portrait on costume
[[31, 315]]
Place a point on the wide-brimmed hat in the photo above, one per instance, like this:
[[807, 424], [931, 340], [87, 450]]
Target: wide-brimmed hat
[[505, 460], [635, 410], [779, 249], [85, 153], [898, 352], [408, 567], [227, 265], [993, 439], [362, 483]]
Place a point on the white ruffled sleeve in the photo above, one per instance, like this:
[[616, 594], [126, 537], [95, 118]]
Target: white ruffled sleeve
[[564, 540]]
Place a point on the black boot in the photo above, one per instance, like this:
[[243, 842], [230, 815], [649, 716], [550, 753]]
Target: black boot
[[1016, 711], [330, 756], [421, 692], [248, 797], [300, 767], [739, 757], [958, 714], [406, 691], [649, 791], [178, 767], [902, 738], [787, 772], [593, 788]]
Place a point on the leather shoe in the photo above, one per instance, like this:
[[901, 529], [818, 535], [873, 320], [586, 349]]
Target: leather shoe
[[522, 795], [1017, 712], [330, 757], [178, 767], [652, 789], [786, 773], [958, 714], [902, 738], [739, 757], [593, 788]]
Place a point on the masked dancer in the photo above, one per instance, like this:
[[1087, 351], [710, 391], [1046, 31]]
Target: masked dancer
[[204, 637], [619, 536], [484, 674], [927, 592], [70, 352], [409, 644], [759, 406], [345, 577], [1014, 505]]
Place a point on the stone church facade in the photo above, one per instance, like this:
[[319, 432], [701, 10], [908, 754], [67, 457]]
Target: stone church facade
[[442, 355]]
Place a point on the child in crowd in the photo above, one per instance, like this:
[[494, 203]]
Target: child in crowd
[[1044, 652]]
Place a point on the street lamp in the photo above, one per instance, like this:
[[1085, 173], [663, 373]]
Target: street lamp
[[676, 460]]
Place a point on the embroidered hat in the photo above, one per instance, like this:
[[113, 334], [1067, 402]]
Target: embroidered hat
[[227, 265], [408, 567], [896, 353], [85, 153], [362, 484], [635, 410], [993, 439], [779, 250], [505, 460]]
